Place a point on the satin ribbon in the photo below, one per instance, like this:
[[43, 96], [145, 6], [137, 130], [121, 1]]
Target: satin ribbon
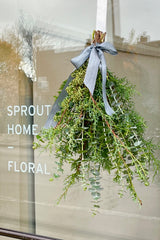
[[96, 61]]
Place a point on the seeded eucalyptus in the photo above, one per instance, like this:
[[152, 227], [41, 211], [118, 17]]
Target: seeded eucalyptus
[[90, 141]]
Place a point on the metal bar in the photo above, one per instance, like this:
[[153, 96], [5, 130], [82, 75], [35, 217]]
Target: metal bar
[[31, 177], [23, 235]]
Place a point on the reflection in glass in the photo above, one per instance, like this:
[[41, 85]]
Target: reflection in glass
[[34, 59]]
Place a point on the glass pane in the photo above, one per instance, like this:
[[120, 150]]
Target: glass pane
[[38, 40]]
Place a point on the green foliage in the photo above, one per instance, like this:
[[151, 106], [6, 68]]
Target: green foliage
[[90, 141]]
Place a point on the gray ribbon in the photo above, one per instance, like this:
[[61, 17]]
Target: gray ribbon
[[96, 60]]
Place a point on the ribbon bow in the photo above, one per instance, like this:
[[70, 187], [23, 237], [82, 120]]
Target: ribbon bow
[[96, 60]]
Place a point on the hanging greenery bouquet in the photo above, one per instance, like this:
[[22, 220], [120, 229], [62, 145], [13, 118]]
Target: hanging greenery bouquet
[[97, 129]]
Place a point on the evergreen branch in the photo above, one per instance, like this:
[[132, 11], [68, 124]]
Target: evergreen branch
[[89, 140], [70, 181], [130, 178], [61, 118], [117, 137]]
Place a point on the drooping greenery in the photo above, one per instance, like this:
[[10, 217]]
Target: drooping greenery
[[90, 141]]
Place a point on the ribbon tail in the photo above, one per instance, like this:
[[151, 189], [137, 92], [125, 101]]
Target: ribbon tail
[[56, 106], [92, 70], [108, 109]]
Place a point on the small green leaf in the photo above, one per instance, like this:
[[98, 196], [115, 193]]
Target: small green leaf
[[146, 183], [138, 143], [96, 206], [56, 175]]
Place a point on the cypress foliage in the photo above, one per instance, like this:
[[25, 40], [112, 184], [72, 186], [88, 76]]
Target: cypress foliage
[[90, 141]]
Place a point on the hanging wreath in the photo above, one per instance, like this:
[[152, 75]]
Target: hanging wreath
[[96, 128]]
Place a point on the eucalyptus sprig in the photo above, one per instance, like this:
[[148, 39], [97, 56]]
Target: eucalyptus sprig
[[90, 141]]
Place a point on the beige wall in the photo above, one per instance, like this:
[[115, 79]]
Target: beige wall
[[71, 219], [118, 218], [27, 197]]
